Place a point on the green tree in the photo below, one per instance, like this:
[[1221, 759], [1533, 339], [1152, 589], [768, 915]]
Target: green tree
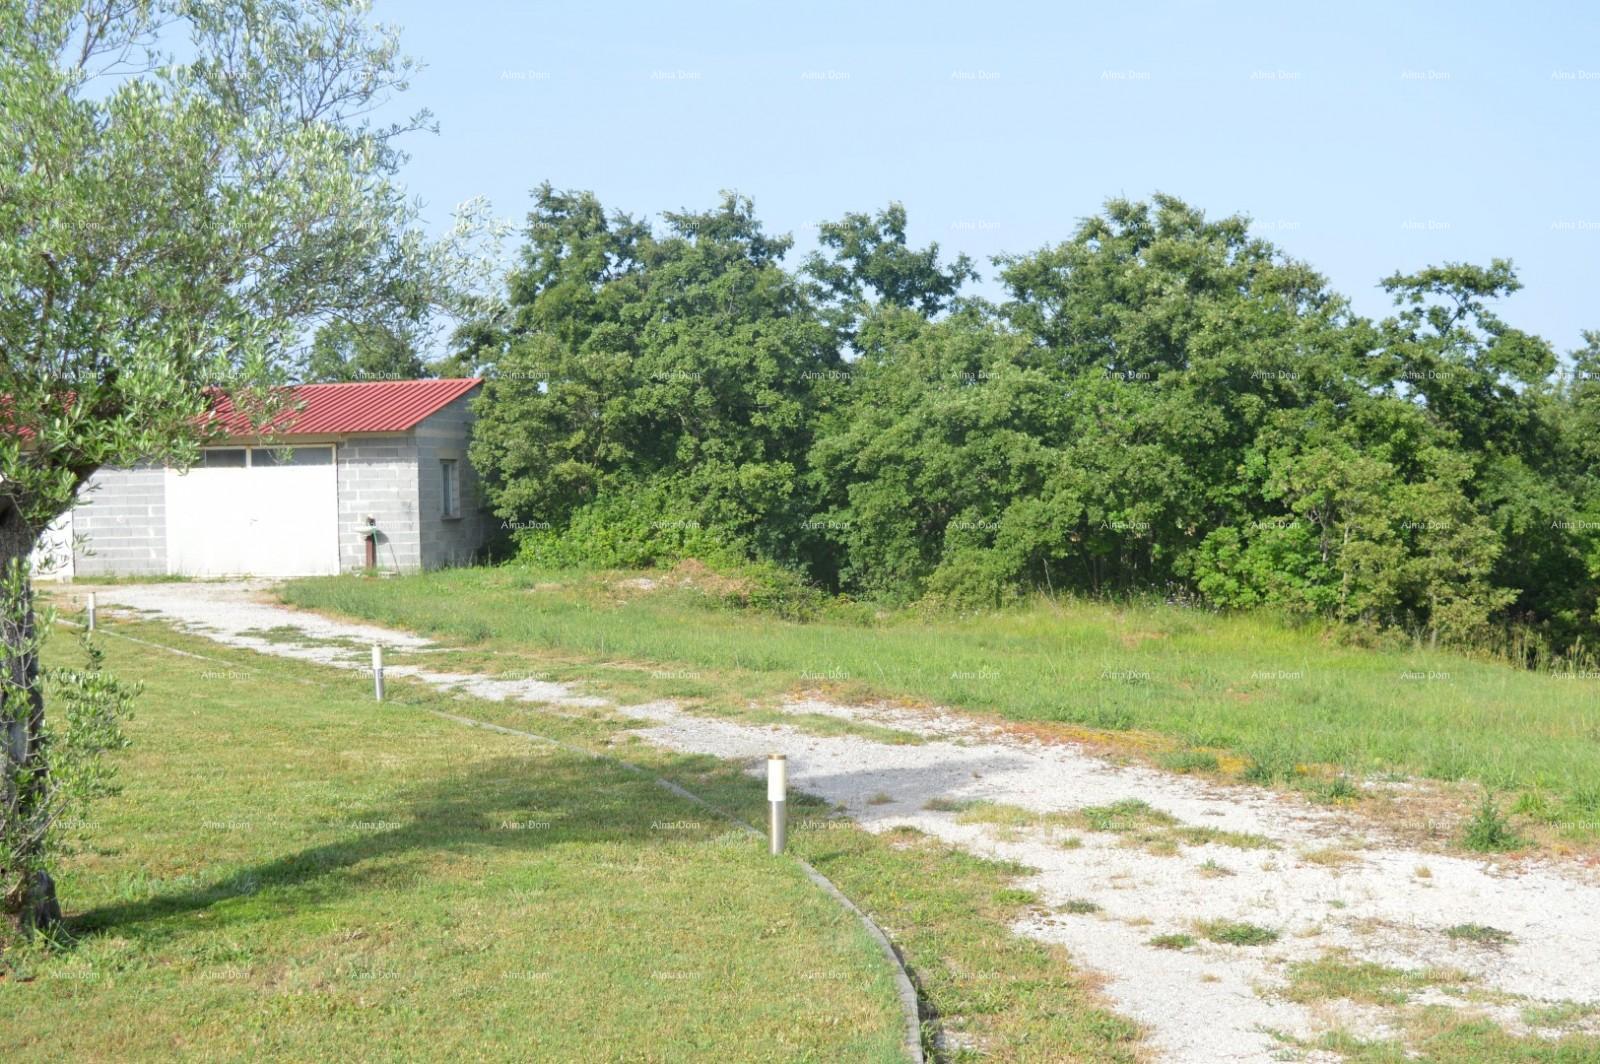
[[167, 226], [864, 261], [362, 351], [663, 381]]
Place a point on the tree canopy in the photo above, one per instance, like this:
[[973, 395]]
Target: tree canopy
[[1162, 402], [186, 190]]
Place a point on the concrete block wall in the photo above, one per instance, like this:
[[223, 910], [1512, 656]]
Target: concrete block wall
[[449, 541], [121, 523], [378, 476]]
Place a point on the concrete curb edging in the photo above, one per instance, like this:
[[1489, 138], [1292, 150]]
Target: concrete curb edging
[[905, 990]]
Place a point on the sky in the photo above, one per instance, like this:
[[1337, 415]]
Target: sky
[[1363, 138]]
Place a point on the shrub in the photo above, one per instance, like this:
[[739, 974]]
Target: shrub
[[971, 580], [773, 589], [628, 530]]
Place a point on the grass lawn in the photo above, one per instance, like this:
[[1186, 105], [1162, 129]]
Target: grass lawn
[[294, 872], [1263, 700]]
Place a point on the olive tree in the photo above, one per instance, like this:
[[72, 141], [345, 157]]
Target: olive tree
[[188, 188]]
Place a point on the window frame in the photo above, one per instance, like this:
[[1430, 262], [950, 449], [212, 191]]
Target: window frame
[[450, 489], [206, 453], [297, 454]]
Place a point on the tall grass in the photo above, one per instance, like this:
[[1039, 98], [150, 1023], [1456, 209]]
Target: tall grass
[[1280, 696]]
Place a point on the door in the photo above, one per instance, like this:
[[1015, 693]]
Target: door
[[254, 510]]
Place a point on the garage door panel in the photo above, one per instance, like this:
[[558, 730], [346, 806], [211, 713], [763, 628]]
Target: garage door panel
[[273, 517]]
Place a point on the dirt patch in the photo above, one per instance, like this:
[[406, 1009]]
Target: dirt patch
[[692, 572]]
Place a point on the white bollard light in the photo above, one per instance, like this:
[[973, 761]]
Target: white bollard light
[[377, 671], [91, 611], [777, 800]]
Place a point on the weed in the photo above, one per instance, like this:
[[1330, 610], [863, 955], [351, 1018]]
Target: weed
[[1338, 976], [1187, 761], [1339, 789], [1271, 765], [1177, 940], [1330, 857], [1489, 831], [1481, 934], [1558, 1013], [1237, 933]]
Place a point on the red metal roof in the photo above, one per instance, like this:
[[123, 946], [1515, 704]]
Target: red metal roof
[[364, 406]]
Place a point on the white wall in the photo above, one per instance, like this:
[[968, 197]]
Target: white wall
[[52, 557]]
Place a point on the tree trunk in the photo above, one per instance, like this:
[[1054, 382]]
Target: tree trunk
[[29, 897]]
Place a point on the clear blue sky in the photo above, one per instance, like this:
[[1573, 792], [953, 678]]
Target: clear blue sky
[[1361, 137]]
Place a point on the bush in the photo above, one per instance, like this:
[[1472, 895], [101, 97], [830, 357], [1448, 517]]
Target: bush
[[771, 588], [971, 580], [627, 530]]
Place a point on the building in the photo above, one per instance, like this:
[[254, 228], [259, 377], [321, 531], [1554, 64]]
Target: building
[[385, 460]]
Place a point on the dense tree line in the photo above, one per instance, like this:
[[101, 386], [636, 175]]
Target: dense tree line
[[1160, 402]]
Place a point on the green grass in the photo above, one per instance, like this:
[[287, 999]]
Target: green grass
[[1482, 934], [1558, 1014], [294, 872], [1360, 711], [438, 927], [1186, 761], [1440, 1035], [1237, 933], [1176, 940], [1337, 976], [1489, 831], [1435, 1033]]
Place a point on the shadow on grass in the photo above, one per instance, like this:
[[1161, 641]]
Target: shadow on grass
[[524, 804]]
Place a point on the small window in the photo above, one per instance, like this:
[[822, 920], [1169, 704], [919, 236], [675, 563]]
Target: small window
[[222, 458], [291, 456], [450, 484]]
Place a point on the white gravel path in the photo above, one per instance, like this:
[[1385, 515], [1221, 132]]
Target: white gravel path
[[1210, 1003]]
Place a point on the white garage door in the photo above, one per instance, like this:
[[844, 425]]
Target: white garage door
[[257, 510]]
